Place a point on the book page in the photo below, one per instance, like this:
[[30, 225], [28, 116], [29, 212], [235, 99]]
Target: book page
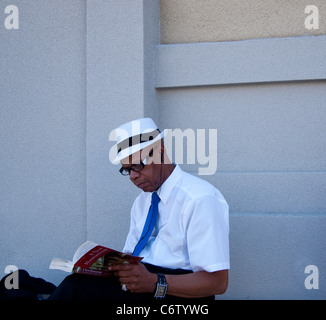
[[82, 250], [61, 264]]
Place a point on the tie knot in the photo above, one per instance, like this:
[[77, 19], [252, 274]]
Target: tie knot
[[155, 198]]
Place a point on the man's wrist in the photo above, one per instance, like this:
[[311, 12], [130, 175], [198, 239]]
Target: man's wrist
[[153, 283]]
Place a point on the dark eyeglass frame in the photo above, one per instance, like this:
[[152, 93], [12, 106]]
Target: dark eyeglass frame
[[125, 171]]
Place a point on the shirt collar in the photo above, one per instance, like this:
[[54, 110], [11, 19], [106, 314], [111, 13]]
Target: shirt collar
[[166, 188]]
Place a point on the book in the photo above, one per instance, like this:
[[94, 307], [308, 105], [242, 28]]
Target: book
[[93, 259]]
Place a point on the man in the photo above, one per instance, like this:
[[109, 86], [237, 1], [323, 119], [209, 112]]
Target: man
[[179, 225]]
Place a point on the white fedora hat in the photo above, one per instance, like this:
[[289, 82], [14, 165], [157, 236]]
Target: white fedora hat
[[134, 136]]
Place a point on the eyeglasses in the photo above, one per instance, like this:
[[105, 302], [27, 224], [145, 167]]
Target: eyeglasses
[[125, 171]]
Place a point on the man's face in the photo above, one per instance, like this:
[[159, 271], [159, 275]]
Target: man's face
[[149, 178]]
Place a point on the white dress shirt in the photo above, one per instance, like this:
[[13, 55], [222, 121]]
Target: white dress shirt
[[192, 227]]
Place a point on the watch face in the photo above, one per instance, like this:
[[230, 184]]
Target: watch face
[[160, 291]]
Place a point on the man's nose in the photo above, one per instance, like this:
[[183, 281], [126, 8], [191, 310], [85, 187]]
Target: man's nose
[[133, 174]]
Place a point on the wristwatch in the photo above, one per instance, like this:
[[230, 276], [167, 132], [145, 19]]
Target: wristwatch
[[161, 287]]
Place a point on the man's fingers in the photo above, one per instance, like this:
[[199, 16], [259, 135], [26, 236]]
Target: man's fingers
[[121, 274], [123, 271], [121, 267]]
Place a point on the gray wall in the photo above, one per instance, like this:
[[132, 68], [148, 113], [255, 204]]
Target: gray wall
[[267, 100], [271, 170], [42, 125], [74, 71]]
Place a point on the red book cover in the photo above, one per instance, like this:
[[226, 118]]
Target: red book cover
[[97, 260]]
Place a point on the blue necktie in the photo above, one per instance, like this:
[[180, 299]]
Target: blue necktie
[[149, 224]]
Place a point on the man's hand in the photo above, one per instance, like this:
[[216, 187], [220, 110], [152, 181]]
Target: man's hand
[[135, 277]]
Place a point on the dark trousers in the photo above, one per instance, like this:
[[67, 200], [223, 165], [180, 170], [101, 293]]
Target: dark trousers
[[87, 287]]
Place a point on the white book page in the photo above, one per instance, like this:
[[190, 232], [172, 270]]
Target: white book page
[[61, 264], [84, 248]]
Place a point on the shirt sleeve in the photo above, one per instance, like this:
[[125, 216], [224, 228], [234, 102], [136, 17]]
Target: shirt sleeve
[[207, 233]]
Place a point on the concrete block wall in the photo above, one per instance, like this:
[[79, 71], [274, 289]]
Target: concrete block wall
[[190, 21]]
